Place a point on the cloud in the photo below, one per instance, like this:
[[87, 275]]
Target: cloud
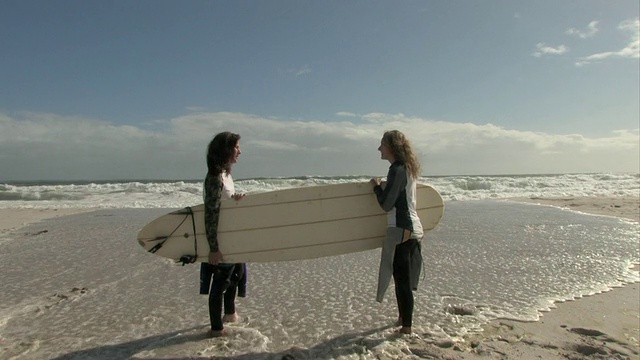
[[299, 71], [544, 49], [630, 51], [40, 146], [591, 30], [273, 145]]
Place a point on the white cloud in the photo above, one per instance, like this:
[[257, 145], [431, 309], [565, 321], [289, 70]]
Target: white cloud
[[272, 145], [591, 30], [544, 49], [376, 117], [630, 51], [36, 146], [304, 70], [299, 71]]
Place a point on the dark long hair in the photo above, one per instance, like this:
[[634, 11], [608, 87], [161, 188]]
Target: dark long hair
[[220, 151]]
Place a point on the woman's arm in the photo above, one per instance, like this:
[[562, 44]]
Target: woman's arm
[[213, 192], [396, 182]]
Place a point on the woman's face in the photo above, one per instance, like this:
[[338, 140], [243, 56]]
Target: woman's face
[[385, 151], [235, 154]]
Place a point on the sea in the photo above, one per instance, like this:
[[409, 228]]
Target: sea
[[80, 287], [181, 193]]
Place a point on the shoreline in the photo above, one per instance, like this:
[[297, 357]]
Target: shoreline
[[622, 207], [599, 326]]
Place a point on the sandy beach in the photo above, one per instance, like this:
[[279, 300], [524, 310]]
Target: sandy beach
[[13, 219], [602, 326]]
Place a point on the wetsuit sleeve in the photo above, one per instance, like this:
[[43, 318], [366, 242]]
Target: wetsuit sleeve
[[396, 182], [212, 195]]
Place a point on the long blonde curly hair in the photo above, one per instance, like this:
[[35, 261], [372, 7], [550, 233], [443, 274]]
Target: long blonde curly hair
[[402, 151]]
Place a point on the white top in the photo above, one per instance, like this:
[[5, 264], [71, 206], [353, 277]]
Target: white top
[[228, 188]]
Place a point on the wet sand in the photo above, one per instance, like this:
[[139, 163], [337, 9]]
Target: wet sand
[[602, 326]]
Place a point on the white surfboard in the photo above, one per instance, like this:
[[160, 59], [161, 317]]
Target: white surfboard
[[291, 224]]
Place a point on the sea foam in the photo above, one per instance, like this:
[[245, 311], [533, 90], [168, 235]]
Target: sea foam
[[177, 194]]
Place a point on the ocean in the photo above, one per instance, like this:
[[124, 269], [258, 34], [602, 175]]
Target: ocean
[[80, 287], [177, 194]]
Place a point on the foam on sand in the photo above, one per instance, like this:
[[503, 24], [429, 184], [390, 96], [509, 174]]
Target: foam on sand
[[85, 289]]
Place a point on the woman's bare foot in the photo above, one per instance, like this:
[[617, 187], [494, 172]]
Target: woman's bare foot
[[405, 330], [217, 333], [230, 318]]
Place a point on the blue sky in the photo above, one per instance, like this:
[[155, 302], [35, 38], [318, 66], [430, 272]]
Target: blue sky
[[136, 89]]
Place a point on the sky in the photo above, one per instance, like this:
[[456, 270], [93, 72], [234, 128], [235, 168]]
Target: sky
[[135, 89]]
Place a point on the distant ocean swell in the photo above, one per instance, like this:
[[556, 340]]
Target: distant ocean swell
[[174, 194]]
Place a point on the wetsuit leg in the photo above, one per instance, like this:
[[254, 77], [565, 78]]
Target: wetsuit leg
[[402, 280], [230, 293], [219, 285]]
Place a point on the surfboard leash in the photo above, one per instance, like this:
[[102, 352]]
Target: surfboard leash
[[165, 238], [190, 259]]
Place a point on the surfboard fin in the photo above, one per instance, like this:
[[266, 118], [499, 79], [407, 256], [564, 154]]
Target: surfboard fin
[[158, 245]]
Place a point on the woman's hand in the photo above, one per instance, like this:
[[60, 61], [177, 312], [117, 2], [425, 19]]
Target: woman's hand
[[215, 258], [237, 197], [376, 181]]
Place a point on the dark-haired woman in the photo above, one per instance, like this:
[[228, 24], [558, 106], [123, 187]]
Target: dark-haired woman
[[222, 281]]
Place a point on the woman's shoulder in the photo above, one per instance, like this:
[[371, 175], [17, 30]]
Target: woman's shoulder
[[212, 183], [213, 177], [398, 166]]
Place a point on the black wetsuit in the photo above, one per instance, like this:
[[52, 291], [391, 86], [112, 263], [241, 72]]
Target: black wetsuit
[[401, 255]]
